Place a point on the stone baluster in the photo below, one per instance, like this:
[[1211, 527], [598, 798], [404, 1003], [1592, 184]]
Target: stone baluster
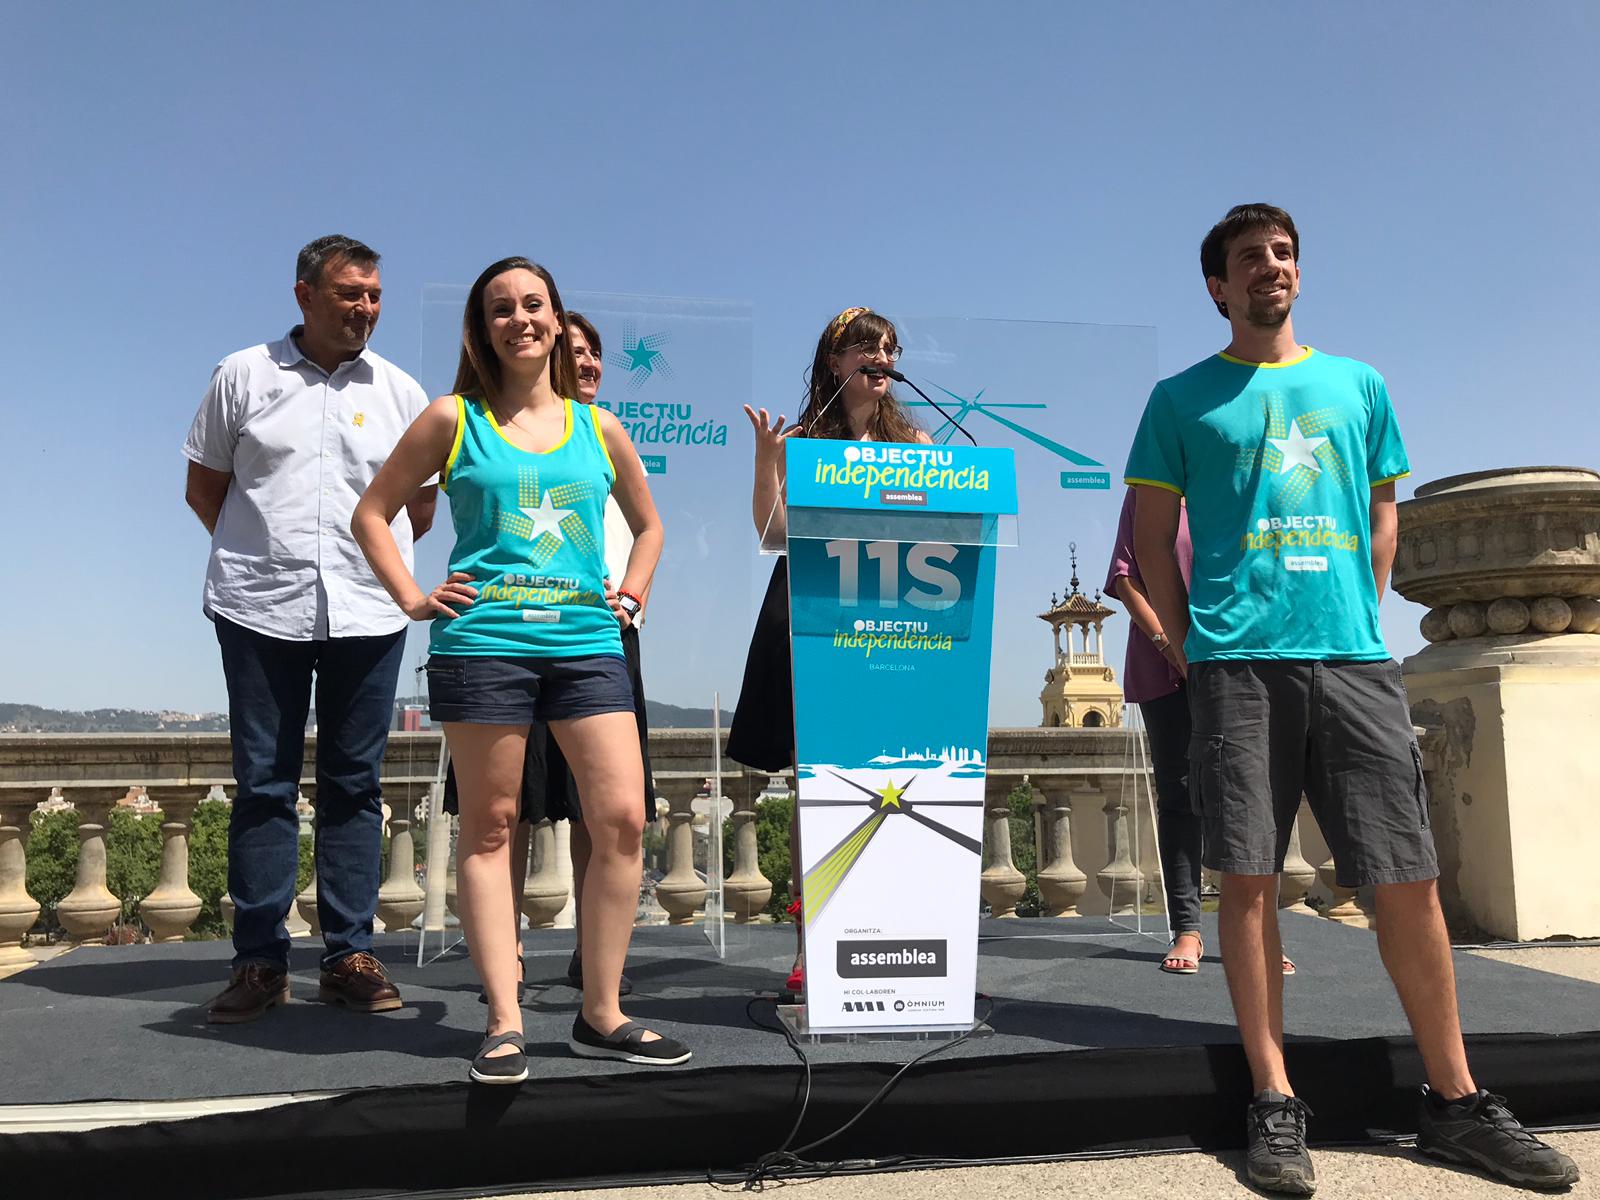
[[1119, 879], [544, 894], [1342, 907], [1061, 883], [1001, 884], [306, 902], [171, 907], [18, 910], [89, 910], [452, 886], [400, 899], [1295, 881], [746, 891], [682, 892]]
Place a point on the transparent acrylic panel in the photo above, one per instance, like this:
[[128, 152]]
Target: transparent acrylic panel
[[676, 372]]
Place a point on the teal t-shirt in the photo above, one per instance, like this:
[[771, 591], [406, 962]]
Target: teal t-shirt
[[1276, 461]]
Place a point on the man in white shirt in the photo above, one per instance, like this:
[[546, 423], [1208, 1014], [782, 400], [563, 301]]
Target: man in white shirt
[[287, 438]]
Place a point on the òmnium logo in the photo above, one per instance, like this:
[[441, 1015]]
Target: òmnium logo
[[883, 959]]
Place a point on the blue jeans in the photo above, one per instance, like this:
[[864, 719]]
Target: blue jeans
[[269, 698], [1178, 825]]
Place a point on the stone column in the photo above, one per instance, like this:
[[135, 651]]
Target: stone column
[[1507, 564], [1298, 875], [746, 891], [1061, 883], [545, 893], [89, 910], [567, 918], [171, 907], [1001, 884], [400, 899], [1342, 907], [1119, 879], [306, 902], [18, 910], [682, 892]]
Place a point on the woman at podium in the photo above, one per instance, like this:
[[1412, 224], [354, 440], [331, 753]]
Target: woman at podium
[[849, 398]]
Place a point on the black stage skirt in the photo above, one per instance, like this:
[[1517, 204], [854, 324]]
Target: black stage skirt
[[549, 793], [762, 735]]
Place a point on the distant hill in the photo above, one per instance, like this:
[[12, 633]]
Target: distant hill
[[670, 716], [30, 718]]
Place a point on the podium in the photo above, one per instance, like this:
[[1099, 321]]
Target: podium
[[891, 600]]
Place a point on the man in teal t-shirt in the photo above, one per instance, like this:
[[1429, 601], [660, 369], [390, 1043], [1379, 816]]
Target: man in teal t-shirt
[[1288, 459]]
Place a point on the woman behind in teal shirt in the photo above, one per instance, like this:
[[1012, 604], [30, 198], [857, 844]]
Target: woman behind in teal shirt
[[525, 628]]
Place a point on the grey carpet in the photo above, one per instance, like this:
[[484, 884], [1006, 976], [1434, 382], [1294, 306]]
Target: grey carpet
[[128, 1023]]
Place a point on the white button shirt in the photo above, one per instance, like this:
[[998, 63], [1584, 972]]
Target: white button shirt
[[302, 446]]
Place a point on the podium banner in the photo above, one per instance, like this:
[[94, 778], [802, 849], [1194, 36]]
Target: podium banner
[[891, 644]]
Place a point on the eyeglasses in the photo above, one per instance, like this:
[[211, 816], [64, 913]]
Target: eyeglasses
[[866, 351]]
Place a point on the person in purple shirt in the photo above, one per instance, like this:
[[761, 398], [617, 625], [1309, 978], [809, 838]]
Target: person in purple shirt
[[1151, 679]]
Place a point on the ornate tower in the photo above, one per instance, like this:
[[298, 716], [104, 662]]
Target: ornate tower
[[1080, 690]]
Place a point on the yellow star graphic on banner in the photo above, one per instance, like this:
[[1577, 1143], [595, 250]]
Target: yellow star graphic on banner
[[890, 795]]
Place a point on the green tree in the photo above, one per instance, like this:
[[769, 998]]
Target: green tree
[[52, 860], [133, 859], [1024, 851], [208, 867], [774, 816]]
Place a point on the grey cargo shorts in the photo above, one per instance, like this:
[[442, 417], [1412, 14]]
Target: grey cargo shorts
[[1268, 730]]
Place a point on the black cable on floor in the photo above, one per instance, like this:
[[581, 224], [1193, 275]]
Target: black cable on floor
[[777, 1165]]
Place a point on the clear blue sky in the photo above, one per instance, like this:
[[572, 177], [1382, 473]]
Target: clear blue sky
[[1050, 161]]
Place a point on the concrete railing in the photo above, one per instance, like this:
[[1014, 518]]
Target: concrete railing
[[1091, 827]]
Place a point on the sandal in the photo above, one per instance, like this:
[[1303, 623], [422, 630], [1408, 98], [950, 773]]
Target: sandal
[[522, 970], [1182, 964], [575, 976], [797, 975], [626, 1043], [502, 1068], [1288, 966]]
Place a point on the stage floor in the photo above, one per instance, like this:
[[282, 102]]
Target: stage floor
[[1083, 1022]]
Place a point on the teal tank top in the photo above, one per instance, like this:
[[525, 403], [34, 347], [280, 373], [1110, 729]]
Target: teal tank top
[[530, 530]]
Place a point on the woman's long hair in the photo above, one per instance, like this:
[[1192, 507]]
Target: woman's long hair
[[478, 372], [824, 413]]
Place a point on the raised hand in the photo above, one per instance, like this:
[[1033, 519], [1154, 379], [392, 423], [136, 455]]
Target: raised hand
[[769, 438]]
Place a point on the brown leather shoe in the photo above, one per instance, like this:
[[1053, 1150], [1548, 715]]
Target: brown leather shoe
[[252, 989], [357, 981]]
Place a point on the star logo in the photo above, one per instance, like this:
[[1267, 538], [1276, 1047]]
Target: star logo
[[1298, 450], [546, 518], [890, 795], [641, 356], [824, 879], [1093, 477]]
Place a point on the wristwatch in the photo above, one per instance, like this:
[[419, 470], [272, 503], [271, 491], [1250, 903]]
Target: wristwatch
[[1159, 641], [629, 603]]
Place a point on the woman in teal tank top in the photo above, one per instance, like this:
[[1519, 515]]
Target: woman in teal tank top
[[526, 627]]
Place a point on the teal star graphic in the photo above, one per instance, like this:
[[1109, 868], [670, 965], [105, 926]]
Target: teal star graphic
[[641, 357], [975, 404]]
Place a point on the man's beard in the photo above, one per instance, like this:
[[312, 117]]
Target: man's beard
[[1268, 314]]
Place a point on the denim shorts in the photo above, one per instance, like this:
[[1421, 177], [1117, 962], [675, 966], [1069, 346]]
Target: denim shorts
[[1266, 732], [519, 691]]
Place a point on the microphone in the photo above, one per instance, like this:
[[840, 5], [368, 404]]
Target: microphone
[[899, 377], [861, 370]]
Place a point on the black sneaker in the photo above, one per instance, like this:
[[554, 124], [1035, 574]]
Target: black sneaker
[[1480, 1131], [626, 1043], [1276, 1159], [575, 976]]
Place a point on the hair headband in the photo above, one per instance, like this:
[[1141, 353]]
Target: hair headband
[[842, 322]]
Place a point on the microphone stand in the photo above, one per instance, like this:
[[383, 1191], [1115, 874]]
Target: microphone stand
[[899, 377]]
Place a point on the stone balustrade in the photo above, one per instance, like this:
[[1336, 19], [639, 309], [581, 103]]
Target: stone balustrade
[[1091, 820]]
